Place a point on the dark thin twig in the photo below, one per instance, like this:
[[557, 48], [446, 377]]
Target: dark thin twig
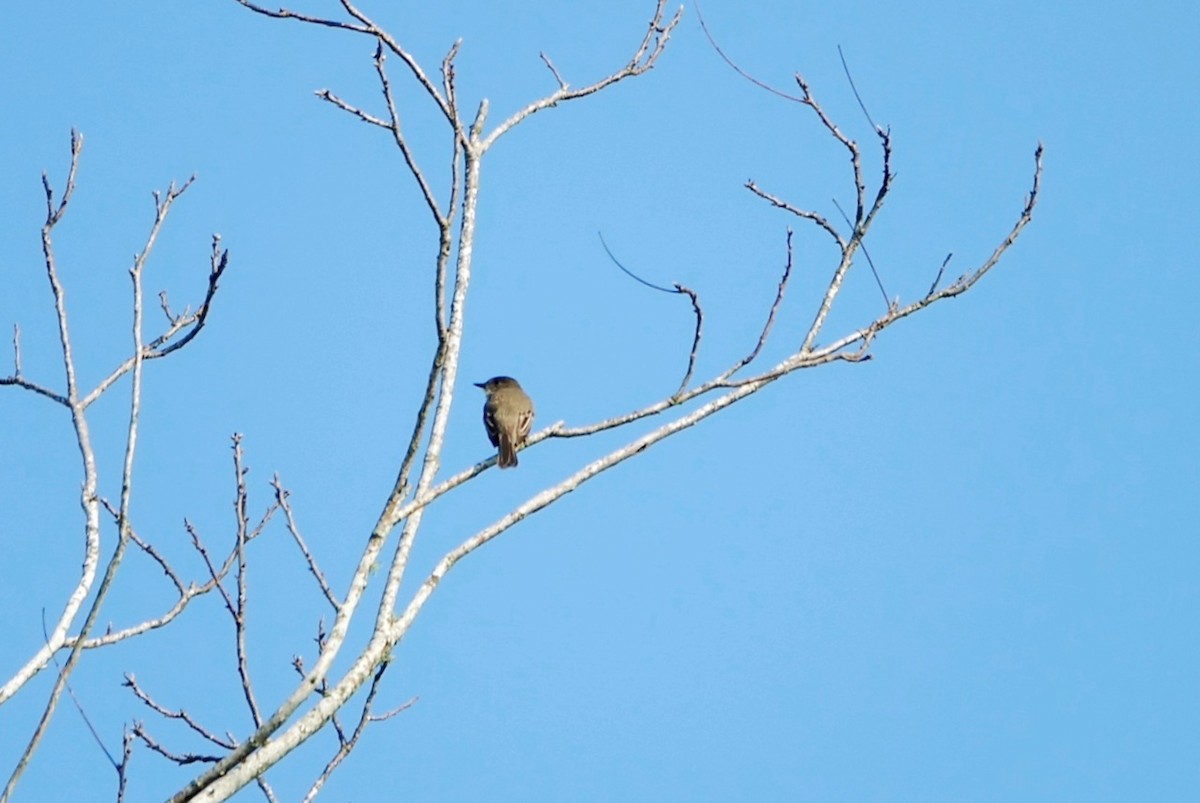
[[553, 70], [78, 705], [766, 330], [736, 68], [854, 89], [219, 262], [691, 366], [630, 273], [938, 278], [678, 289], [878, 281]]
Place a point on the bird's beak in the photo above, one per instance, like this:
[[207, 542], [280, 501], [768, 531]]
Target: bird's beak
[[480, 384]]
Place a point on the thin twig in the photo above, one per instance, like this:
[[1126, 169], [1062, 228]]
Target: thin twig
[[239, 619], [965, 282], [347, 744], [165, 306], [281, 499], [53, 215], [215, 575], [409, 60], [854, 89], [399, 139], [180, 715], [447, 217], [937, 279], [90, 500], [806, 214], [219, 261], [760, 84], [182, 759], [553, 71], [630, 273], [284, 14], [366, 117], [676, 289], [79, 706], [658, 33], [186, 594], [691, 366], [148, 549], [766, 330]]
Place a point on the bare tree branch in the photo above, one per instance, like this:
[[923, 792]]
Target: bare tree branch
[[658, 33], [469, 147], [16, 380], [41, 658], [186, 594], [287, 726], [182, 759], [219, 261], [800, 213], [284, 14], [398, 137], [326, 95], [224, 742], [91, 502]]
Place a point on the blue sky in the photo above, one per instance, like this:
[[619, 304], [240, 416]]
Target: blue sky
[[965, 570]]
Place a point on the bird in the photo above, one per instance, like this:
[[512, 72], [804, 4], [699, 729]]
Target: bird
[[507, 416]]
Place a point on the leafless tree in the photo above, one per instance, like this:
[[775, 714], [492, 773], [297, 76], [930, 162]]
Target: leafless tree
[[320, 698]]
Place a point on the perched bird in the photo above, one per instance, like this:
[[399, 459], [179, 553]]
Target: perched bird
[[508, 416]]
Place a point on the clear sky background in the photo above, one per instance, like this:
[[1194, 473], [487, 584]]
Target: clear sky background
[[965, 570]]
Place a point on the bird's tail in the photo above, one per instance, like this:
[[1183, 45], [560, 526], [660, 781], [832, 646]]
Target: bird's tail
[[508, 455]]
